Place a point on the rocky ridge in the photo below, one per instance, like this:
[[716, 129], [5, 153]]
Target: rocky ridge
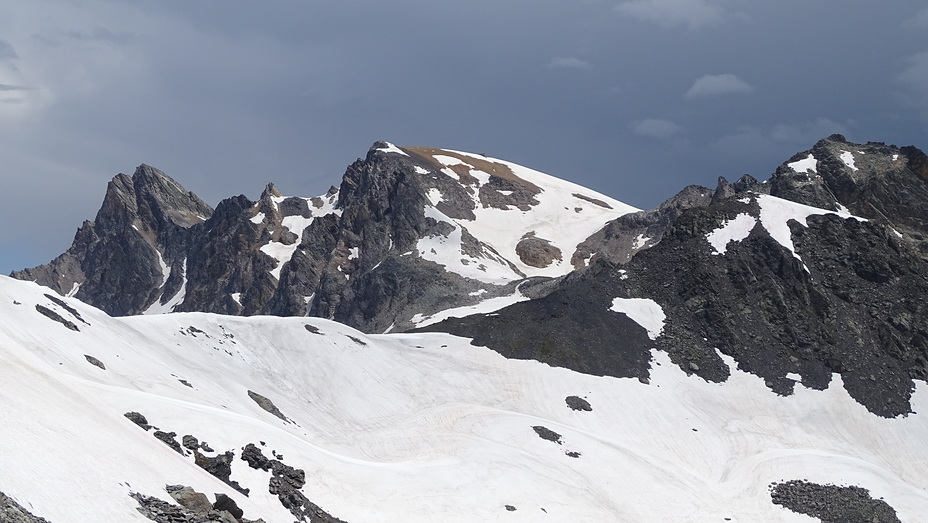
[[409, 232]]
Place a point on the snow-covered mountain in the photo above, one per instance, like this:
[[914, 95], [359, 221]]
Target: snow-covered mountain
[[821, 270], [753, 352], [312, 417], [410, 232]]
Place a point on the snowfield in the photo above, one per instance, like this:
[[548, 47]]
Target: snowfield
[[411, 427]]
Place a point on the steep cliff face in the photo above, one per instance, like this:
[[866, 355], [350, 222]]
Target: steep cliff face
[[133, 249]]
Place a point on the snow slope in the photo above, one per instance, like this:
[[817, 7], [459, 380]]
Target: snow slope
[[411, 427], [563, 213]]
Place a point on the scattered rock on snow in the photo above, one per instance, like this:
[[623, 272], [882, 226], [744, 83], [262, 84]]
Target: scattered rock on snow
[[578, 403], [548, 434], [267, 405], [168, 439], [832, 503], [190, 499], [94, 361], [52, 315], [285, 483], [138, 419]]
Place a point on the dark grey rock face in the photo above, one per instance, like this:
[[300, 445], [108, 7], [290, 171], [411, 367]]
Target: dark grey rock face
[[832, 503], [116, 259], [621, 238], [570, 327]]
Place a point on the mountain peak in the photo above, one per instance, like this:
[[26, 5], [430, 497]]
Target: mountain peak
[[270, 191], [150, 200]]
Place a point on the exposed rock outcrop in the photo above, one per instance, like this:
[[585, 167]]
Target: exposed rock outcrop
[[285, 483], [119, 261], [832, 503], [13, 512]]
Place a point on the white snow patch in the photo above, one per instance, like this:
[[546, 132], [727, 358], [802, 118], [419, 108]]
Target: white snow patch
[[434, 196], [848, 158], [477, 292], [165, 269], [353, 253], [421, 170], [733, 230], [258, 219], [447, 161], [776, 212], [640, 241], [281, 253], [237, 297], [177, 299], [642, 311], [448, 252], [895, 157], [296, 223], [793, 376], [390, 148], [76, 286], [807, 164], [484, 307]]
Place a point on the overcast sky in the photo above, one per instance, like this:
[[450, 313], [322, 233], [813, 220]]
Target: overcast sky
[[633, 98]]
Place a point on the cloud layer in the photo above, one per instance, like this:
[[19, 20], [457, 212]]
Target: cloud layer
[[227, 96]]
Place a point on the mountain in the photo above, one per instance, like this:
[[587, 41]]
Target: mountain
[[794, 293], [756, 351], [409, 232]]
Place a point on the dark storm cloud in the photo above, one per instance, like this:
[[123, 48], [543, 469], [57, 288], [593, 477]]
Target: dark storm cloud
[[633, 98]]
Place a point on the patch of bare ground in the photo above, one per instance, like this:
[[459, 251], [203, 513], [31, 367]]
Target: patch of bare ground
[[427, 154], [594, 201]]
